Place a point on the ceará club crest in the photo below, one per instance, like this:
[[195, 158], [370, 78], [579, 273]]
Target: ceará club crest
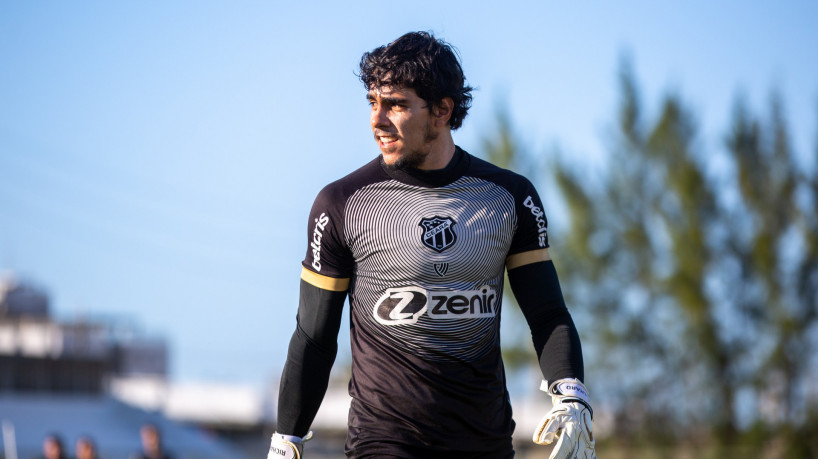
[[438, 232]]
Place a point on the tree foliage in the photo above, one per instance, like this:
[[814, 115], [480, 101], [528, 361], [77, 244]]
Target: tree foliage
[[695, 271]]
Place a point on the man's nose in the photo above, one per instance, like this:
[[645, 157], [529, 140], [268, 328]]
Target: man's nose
[[378, 118]]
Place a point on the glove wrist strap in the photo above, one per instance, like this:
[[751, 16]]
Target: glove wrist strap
[[284, 448], [292, 445], [567, 390], [293, 438]]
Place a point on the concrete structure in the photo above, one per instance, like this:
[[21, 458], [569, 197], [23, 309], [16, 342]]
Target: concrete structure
[[38, 354], [57, 378]]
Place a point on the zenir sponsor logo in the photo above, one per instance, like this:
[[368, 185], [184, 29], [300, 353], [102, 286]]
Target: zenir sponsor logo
[[464, 303], [400, 306], [405, 305], [438, 233]]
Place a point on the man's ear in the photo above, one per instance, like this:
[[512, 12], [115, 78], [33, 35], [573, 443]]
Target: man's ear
[[442, 111]]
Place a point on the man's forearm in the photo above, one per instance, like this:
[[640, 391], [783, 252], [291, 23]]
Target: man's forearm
[[303, 385], [537, 290], [310, 356]]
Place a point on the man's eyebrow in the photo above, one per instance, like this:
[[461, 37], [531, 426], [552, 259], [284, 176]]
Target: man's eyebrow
[[389, 100]]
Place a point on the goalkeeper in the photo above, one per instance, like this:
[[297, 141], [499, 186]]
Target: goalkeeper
[[419, 240]]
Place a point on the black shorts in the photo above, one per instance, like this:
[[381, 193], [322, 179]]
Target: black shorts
[[390, 450]]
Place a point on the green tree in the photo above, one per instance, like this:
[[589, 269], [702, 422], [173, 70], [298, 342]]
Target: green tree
[[774, 239], [695, 272]]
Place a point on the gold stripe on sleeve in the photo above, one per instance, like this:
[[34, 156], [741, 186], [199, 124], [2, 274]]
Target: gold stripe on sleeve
[[324, 282], [526, 258]]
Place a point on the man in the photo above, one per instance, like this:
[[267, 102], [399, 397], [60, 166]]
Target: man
[[419, 238], [53, 447], [152, 447], [86, 448]]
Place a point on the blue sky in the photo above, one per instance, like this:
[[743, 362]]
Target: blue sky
[[158, 159]]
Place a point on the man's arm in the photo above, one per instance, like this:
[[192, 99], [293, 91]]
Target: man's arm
[[312, 352], [535, 285], [534, 282]]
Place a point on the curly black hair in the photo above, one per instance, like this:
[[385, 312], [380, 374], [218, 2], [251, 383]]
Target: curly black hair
[[419, 61]]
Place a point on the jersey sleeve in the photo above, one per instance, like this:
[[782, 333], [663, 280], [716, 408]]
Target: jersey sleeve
[[325, 274], [310, 357], [327, 253], [537, 290], [532, 225]]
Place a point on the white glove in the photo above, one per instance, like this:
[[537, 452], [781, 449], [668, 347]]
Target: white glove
[[568, 422], [287, 446]]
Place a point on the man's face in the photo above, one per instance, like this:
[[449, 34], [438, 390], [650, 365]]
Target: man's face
[[402, 125], [84, 450], [150, 439], [51, 449]]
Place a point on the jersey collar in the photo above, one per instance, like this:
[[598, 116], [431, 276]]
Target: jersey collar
[[434, 178]]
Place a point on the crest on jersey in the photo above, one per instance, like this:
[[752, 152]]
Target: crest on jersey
[[438, 233]]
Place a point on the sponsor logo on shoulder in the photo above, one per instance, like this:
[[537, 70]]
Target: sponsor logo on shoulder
[[405, 305], [317, 233], [539, 215]]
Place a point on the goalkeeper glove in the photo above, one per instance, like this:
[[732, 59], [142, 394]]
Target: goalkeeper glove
[[287, 446], [568, 422]]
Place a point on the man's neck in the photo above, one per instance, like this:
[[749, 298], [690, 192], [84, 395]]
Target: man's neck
[[442, 152]]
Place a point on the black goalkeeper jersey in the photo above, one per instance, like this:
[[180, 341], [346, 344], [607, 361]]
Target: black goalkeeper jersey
[[425, 253]]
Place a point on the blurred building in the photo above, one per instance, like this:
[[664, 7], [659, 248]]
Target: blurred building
[[75, 378], [39, 354]]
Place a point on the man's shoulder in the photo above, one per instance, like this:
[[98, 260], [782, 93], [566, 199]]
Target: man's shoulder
[[508, 179], [343, 188], [369, 172]]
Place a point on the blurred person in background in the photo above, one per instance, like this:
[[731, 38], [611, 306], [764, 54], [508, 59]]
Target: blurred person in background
[[85, 448], [53, 447], [152, 447]]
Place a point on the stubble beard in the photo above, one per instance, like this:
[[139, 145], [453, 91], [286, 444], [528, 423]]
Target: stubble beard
[[412, 159]]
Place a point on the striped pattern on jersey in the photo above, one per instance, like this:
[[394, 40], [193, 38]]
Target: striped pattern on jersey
[[435, 304]]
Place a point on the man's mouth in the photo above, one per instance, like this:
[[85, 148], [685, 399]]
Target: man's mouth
[[386, 139]]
